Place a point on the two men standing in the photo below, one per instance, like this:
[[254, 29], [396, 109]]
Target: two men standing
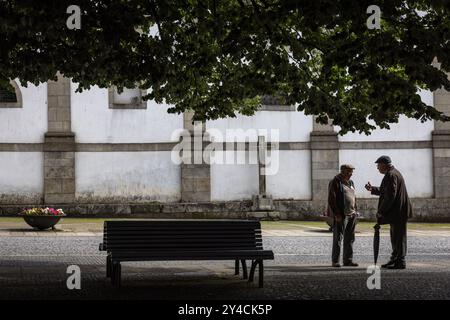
[[394, 208]]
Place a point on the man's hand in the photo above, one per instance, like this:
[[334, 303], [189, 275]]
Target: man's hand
[[338, 218], [368, 186]]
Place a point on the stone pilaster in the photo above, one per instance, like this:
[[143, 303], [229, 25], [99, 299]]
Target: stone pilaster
[[441, 99], [324, 159], [441, 146], [441, 164], [195, 174], [441, 143], [59, 145]]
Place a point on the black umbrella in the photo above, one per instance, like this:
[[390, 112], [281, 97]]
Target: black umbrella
[[376, 242]]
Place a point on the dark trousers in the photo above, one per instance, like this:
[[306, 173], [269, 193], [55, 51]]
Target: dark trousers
[[346, 230], [398, 241]]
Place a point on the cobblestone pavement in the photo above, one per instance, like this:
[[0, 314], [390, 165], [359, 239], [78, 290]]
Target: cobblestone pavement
[[34, 267]]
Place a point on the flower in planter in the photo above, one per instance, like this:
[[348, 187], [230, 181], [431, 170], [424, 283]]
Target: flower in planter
[[42, 218], [43, 212]]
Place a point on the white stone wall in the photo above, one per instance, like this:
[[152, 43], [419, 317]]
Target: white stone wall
[[126, 175], [22, 176], [292, 125], [94, 122], [293, 179], [406, 129], [152, 176], [414, 164], [29, 123], [233, 181], [240, 181]]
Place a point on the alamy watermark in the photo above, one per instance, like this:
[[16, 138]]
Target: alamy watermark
[[73, 22], [374, 280], [74, 280], [374, 20]]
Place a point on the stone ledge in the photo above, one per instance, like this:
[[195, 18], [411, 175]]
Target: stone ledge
[[324, 140], [359, 145], [441, 139], [59, 134], [441, 144], [231, 146], [59, 146], [323, 133], [429, 210], [59, 141], [441, 132]]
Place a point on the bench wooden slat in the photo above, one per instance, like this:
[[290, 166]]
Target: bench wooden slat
[[182, 232], [183, 236], [145, 224], [184, 228], [211, 242], [143, 247], [206, 255]]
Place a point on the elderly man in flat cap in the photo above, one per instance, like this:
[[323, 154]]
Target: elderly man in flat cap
[[394, 208], [342, 207]]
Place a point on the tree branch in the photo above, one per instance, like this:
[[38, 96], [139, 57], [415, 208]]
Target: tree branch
[[153, 8]]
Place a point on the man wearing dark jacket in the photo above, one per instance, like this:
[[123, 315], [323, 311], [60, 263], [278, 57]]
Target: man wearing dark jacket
[[342, 207], [394, 208]]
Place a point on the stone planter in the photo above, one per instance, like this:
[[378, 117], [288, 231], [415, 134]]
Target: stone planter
[[42, 222]]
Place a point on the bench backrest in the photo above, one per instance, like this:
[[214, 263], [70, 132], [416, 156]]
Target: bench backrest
[[166, 235]]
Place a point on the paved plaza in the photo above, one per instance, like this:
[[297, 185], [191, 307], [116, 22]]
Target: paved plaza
[[33, 265]]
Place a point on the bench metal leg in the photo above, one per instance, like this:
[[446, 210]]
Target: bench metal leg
[[108, 266], [260, 272], [244, 269], [116, 274], [113, 274], [236, 267], [252, 271]]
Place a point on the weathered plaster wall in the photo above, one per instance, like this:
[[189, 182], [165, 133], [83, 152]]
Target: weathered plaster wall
[[126, 176], [21, 177], [29, 123], [94, 122]]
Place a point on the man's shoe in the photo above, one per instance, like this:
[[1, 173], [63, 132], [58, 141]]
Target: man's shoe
[[387, 265], [335, 265], [350, 264], [396, 266]]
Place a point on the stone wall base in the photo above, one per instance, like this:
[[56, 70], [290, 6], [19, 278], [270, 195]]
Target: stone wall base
[[430, 210]]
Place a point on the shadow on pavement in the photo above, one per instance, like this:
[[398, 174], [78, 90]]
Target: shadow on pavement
[[48, 231], [311, 269], [319, 231]]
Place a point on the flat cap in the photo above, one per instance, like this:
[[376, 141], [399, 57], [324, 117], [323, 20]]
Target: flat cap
[[347, 166], [384, 159]]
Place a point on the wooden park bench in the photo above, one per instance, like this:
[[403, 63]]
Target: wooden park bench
[[164, 240]]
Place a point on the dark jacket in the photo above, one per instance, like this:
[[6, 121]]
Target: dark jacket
[[394, 204], [336, 196]]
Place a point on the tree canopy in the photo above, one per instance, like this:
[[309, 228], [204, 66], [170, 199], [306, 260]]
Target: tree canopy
[[218, 57]]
